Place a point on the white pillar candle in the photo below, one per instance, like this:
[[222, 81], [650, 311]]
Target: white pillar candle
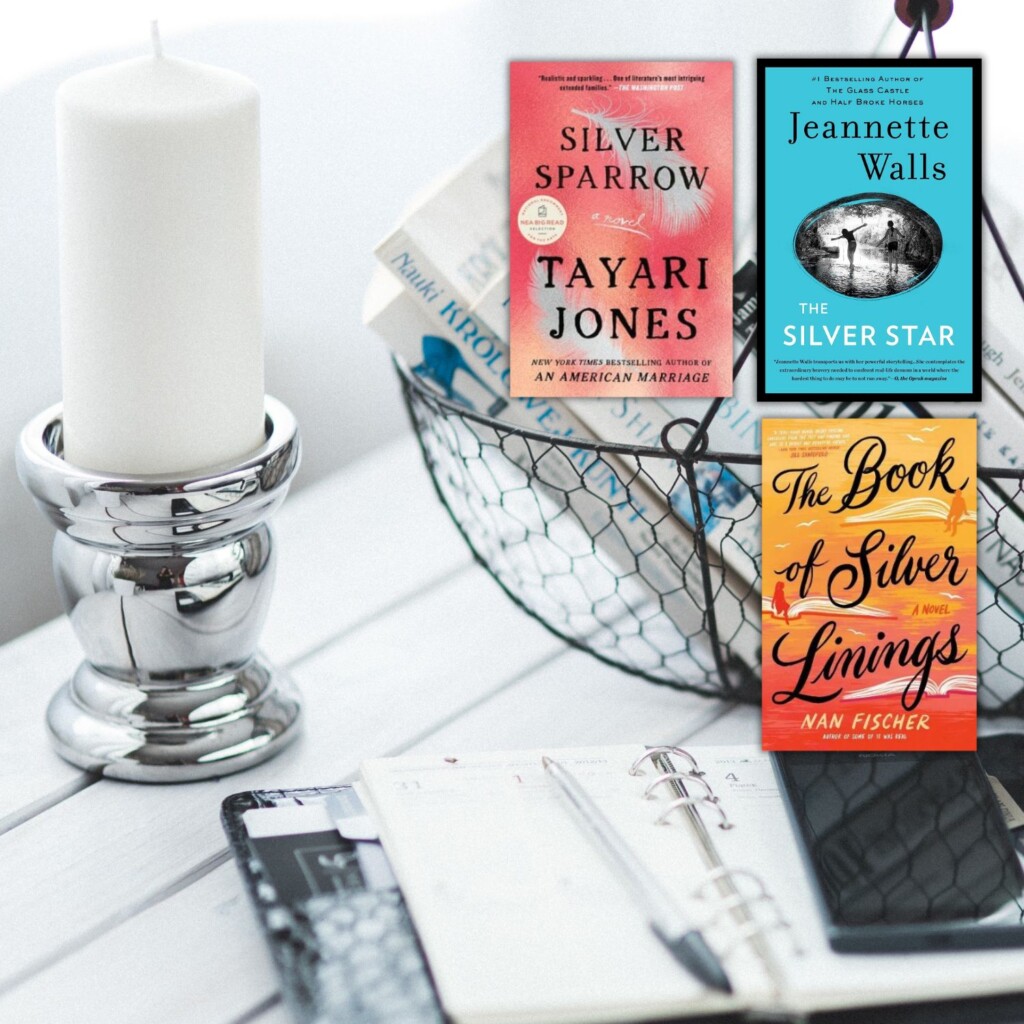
[[161, 318]]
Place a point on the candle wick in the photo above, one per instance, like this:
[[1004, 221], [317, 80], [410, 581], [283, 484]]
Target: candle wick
[[154, 31]]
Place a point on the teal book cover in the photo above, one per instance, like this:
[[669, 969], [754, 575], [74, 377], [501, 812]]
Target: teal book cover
[[869, 221]]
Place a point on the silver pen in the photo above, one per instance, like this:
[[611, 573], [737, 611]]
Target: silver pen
[[666, 919]]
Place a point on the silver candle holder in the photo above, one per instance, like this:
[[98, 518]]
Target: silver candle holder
[[166, 581]]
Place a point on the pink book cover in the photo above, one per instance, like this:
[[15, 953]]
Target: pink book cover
[[621, 229]]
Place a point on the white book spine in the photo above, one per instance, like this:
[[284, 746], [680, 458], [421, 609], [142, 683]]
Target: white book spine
[[463, 225], [1003, 310]]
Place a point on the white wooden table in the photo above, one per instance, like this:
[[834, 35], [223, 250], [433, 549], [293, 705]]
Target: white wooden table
[[119, 902]]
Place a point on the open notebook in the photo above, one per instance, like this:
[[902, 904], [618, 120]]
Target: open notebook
[[523, 921]]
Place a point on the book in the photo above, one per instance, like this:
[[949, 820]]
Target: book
[[869, 228], [522, 921], [483, 302], [453, 241], [655, 518], [620, 192], [870, 585], [1003, 312]]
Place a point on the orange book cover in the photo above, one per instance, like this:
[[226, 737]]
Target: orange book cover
[[621, 229], [869, 600]]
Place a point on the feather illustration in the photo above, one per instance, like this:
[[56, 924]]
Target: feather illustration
[[675, 210]]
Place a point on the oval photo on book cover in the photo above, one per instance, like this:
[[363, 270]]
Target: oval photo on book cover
[[869, 245]]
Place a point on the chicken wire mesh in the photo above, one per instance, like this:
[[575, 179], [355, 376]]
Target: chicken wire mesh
[[646, 557]]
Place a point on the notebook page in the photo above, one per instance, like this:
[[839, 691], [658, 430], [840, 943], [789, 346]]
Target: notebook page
[[764, 841], [520, 917]]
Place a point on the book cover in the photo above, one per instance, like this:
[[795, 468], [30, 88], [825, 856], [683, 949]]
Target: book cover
[[621, 228], [869, 600], [869, 220]]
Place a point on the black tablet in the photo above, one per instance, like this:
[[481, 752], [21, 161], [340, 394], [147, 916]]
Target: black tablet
[[909, 851]]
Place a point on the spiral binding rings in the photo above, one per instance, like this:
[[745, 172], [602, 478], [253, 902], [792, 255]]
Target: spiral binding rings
[[724, 873], [694, 801], [760, 928], [739, 900], [719, 890], [652, 752], [694, 775], [681, 777]]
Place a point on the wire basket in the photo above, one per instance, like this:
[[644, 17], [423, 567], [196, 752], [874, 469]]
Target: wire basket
[[653, 578]]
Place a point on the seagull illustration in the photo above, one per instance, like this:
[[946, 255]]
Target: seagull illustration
[[952, 597], [920, 440], [810, 522], [928, 430], [782, 545], [857, 631]]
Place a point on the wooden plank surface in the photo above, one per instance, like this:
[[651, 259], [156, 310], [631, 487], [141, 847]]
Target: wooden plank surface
[[116, 846], [397, 641], [32, 776], [568, 700], [355, 543]]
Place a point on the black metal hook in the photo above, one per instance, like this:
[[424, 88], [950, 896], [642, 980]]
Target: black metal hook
[[696, 446], [933, 13]]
